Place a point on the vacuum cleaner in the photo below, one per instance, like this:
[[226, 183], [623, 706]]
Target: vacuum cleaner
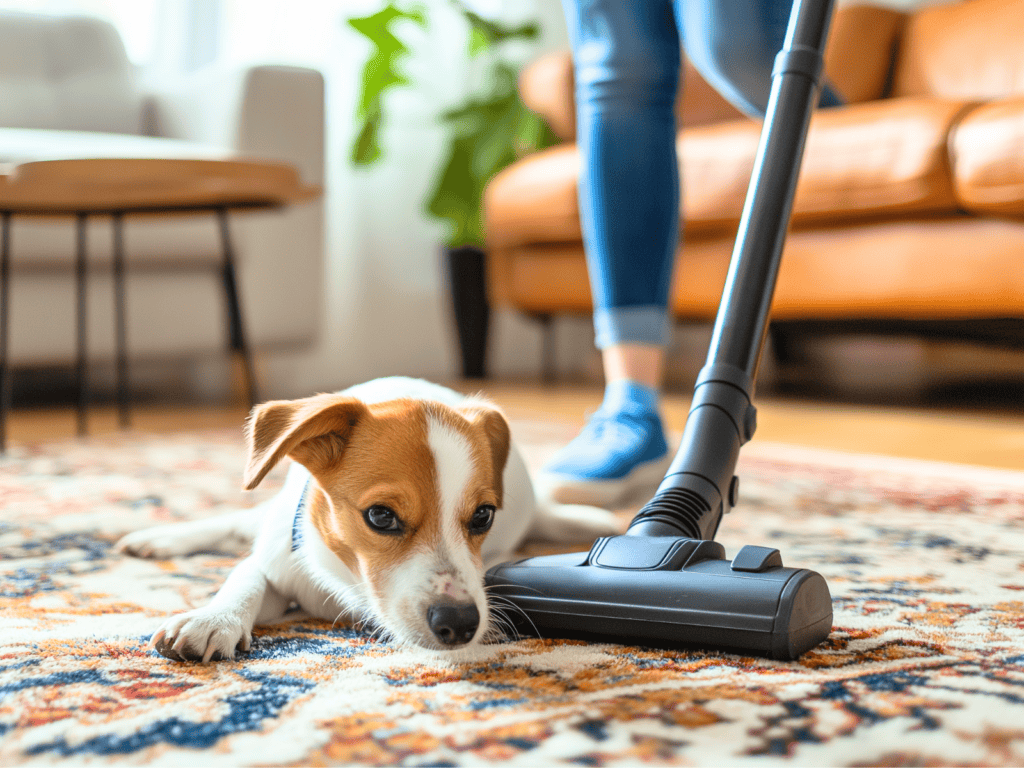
[[666, 582]]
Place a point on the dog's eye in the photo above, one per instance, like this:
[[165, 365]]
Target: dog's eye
[[482, 519], [382, 519]]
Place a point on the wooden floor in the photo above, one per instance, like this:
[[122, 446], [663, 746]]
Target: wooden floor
[[994, 439]]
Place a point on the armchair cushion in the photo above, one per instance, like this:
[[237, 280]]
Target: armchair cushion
[[989, 149], [534, 200], [65, 72]]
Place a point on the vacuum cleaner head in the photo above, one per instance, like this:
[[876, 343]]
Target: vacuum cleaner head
[[669, 591]]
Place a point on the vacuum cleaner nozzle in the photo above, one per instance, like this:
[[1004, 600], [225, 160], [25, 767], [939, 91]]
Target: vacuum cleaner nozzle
[[669, 591]]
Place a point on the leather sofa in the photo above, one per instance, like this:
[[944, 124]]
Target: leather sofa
[[65, 83], [909, 213]]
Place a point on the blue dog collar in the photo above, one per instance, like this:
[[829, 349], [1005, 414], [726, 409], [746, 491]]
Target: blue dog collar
[[297, 522]]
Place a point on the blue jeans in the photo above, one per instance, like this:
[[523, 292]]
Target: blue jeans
[[627, 59]]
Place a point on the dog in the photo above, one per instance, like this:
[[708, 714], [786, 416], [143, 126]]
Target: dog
[[402, 493]]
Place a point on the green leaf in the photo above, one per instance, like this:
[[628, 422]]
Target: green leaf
[[366, 149], [488, 133], [495, 32], [478, 42], [456, 197], [380, 73], [533, 132]]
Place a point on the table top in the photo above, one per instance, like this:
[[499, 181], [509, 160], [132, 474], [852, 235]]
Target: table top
[[26, 145], [60, 173]]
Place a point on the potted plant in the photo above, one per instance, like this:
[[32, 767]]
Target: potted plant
[[489, 130]]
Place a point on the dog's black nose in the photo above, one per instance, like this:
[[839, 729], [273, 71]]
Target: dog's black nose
[[453, 623]]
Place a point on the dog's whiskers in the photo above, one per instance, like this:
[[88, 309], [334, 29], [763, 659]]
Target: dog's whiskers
[[504, 602]]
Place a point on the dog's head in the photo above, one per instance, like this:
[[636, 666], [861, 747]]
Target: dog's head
[[407, 492]]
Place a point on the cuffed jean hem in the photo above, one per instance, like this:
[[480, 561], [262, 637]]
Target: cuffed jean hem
[[632, 325]]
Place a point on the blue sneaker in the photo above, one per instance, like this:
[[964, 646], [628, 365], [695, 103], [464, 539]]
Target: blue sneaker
[[619, 453]]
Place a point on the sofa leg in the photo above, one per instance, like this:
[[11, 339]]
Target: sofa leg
[[785, 350], [467, 276], [547, 369]]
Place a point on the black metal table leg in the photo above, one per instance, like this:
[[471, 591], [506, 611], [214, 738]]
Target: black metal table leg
[[5, 312], [80, 366], [120, 325], [236, 325]]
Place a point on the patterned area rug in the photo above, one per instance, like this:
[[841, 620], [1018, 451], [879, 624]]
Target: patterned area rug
[[925, 665]]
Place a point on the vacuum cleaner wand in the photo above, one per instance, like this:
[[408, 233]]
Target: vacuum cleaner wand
[[666, 581], [722, 416]]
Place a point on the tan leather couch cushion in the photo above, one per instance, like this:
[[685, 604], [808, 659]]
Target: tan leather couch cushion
[[965, 51], [871, 159], [988, 146], [876, 158], [534, 200], [863, 271], [860, 51]]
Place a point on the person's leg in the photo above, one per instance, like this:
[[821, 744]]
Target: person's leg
[[627, 58], [733, 43]]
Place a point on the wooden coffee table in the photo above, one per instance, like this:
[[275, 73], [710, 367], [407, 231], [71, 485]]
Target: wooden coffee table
[[120, 187]]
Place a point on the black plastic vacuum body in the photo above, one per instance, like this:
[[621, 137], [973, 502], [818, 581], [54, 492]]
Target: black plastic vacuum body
[[666, 582]]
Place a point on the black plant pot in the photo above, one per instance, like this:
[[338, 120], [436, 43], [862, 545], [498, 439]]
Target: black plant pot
[[467, 275]]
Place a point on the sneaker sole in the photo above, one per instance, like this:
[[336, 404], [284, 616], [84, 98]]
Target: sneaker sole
[[643, 478]]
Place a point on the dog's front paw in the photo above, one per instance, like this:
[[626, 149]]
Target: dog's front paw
[[202, 635], [160, 542]]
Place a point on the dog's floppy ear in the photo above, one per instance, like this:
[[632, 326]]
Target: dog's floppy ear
[[495, 429], [313, 431]]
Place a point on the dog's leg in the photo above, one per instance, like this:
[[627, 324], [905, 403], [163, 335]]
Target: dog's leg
[[232, 531], [572, 522], [215, 631]]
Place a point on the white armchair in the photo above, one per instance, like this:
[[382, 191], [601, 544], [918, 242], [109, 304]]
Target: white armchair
[[67, 75]]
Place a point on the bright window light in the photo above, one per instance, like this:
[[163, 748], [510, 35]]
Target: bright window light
[[294, 32]]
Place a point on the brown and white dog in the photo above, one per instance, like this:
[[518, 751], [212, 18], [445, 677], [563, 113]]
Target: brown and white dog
[[402, 493]]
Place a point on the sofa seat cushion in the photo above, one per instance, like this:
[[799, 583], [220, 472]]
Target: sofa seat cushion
[[989, 149], [873, 270], [870, 160], [876, 159], [534, 200]]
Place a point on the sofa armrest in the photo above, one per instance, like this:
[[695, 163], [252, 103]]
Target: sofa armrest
[[270, 112], [547, 86]]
